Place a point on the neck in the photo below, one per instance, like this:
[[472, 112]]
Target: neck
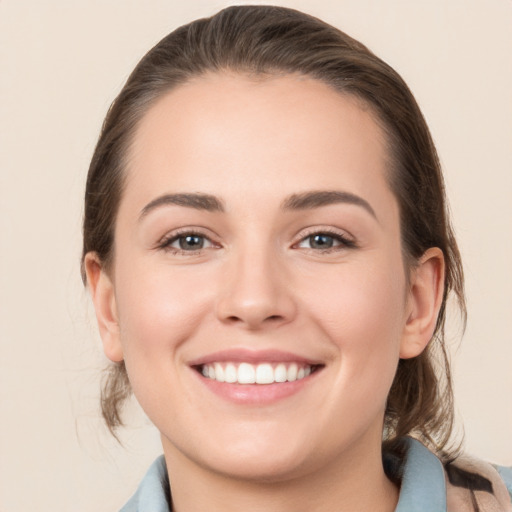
[[355, 483]]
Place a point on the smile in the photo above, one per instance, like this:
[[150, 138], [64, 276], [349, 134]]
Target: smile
[[263, 373]]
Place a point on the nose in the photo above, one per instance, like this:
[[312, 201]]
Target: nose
[[255, 293]]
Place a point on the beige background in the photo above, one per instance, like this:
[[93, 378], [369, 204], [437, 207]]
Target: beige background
[[61, 63]]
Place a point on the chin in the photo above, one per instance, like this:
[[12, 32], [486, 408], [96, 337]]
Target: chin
[[263, 467], [261, 458]]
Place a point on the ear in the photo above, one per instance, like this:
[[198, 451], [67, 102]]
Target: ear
[[104, 300], [425, 298]]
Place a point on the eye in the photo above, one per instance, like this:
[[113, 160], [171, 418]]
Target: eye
[[188, 242], [325, 241]]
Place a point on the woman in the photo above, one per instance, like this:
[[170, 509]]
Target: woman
[[268, 250]]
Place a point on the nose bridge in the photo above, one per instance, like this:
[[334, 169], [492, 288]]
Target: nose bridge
[[254, 292]]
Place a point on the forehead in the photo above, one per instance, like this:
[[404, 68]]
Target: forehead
[[227, 128]]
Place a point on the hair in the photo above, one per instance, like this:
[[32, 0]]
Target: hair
[[270, 41]]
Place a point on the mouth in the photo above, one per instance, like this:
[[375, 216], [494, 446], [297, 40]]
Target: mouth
[[236, 372], [256, 377]]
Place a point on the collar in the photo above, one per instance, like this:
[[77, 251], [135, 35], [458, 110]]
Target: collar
[[423, 484], [151, 496]]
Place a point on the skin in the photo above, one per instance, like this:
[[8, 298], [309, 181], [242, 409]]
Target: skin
[[259, 283]]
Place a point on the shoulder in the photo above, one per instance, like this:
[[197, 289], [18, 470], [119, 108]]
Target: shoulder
[[464, 485], [470, 480]]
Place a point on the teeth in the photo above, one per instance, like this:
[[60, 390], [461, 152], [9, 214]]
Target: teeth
[[219, 373], [230, 375], [291, 374], [246, 374], [280, 373], [264, 373]]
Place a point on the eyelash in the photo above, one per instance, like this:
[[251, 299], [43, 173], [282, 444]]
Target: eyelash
[[343, 241]]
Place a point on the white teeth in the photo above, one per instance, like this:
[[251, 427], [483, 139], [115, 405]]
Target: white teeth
[[264, 373], [230, 375], [291, 374], [219, 372], [246, 374], [280, 373]]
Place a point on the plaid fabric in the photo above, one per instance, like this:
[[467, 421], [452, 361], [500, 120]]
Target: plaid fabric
[[475, 486]]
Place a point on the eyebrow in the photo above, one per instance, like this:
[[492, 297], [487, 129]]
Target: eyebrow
[[318, 198], [303, 201], [197, 201]]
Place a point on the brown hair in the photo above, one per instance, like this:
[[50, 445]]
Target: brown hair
[[266, 40]]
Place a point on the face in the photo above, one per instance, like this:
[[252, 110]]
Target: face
[[258, 293]]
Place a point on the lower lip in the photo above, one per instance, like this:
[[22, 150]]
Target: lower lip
[[256, 394]]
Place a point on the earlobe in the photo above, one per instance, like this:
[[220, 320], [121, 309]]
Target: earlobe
[[104, 300], [425, 299]]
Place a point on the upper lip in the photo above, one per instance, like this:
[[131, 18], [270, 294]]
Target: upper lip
[[253, 356]]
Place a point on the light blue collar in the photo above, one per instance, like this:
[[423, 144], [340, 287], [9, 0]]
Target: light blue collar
[[423, 481], [423, 484], [152, 491]]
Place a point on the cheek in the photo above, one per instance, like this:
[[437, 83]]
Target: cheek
[[158, 310], [362, 312]]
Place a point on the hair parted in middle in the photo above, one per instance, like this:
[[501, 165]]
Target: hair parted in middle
[[267, 41]]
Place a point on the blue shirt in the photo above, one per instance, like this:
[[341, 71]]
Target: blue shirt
[[424, 486]]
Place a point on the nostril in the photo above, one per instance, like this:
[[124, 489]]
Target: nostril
[[254, 322], [234, 318]]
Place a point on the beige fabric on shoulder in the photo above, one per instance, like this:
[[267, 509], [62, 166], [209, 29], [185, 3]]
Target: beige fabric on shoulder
[[460, 499]]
